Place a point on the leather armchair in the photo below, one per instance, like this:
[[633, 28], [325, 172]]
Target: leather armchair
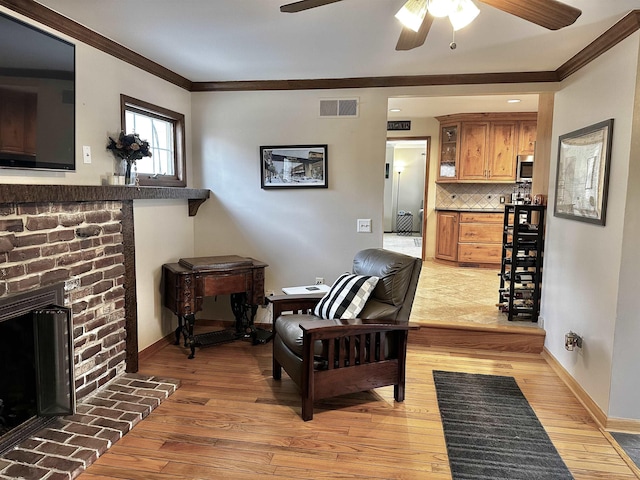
[[326, 358]]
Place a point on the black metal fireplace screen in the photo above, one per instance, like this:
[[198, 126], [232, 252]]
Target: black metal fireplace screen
[[36, 363]]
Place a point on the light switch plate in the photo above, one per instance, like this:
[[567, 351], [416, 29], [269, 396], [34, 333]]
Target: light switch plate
[[364, 225], [86, 153]]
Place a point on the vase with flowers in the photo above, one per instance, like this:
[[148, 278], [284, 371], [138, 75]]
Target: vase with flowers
[[129, 148]]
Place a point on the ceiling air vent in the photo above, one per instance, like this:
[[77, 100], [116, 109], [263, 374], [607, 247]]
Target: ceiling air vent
[[339, 107]]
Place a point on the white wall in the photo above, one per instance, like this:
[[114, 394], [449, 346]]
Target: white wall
[[625, 387], [581, 282], [409, 185], [100, 79]]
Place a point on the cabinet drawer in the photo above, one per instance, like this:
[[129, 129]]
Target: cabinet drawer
[[479, 253], [480, 233], [480, 217]]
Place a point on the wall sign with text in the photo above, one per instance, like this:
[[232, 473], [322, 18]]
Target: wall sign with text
[[399, 125]]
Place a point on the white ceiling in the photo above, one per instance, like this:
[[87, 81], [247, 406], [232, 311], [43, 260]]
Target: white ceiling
[[220, 40]]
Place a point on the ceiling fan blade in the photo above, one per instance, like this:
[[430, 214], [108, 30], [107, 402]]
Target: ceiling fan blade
[[410, 39], [550, 14], [305, 5]]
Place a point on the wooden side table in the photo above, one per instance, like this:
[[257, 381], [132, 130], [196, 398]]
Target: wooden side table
[[187, 282]]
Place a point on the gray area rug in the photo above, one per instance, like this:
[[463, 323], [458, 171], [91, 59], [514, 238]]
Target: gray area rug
[[491, 430], [630, 443]]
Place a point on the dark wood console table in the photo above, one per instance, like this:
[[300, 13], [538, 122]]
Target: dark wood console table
[[187, 282]]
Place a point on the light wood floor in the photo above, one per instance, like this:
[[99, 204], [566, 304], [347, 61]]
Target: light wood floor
[[230, 419]]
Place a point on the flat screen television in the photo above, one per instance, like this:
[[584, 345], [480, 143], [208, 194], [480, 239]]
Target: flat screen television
[[37, 98]]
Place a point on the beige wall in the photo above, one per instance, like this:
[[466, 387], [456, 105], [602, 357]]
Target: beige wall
[[584, 262], [301, 233]]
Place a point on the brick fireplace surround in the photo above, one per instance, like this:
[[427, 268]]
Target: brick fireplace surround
[[83, 236]]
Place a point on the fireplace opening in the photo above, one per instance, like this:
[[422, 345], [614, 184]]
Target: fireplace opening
[[36, 363]]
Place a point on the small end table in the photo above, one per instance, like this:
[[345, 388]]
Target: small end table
[[187, 282]]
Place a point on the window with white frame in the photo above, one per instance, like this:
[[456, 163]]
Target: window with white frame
[[165, 132]]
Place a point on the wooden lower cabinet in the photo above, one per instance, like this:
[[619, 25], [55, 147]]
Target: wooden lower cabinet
[[447, 236], [476, 238]]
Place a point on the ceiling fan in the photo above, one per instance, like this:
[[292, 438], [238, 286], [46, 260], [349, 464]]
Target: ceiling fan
[[550, 14]]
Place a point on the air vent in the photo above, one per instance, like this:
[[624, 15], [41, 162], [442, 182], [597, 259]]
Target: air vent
[[339, 107]]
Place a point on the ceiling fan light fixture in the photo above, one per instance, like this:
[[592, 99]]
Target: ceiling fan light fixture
[[441, 8], [412, 14], [463, 13]]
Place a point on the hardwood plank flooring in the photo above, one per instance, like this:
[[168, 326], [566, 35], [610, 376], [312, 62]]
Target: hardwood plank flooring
[[230, 419]]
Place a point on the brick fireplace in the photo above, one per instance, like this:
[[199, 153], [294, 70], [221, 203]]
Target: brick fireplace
[[82, 237], [80, 245]]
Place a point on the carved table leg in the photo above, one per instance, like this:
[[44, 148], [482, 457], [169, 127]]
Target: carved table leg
[[179, 330], [240, 308], [191, 342]]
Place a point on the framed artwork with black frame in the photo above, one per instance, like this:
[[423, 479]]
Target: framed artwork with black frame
[[582, 177], [294, 166]]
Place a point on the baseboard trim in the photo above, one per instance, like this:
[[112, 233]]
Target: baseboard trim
[[156, 347], [626, 425], [604, 422], [171, 337]]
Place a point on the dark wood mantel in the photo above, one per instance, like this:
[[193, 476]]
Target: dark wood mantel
[[20, 193]]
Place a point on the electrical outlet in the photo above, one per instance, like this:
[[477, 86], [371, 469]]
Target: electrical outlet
[[364, 225], [86, 153], [319, 280]]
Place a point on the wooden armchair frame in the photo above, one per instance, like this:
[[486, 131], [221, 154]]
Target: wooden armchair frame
[[353, 355]]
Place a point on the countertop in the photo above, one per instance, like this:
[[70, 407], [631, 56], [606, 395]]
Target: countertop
[[473, 210]]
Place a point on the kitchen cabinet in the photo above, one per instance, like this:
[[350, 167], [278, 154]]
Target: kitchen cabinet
[[482, 147], [501, 164], [479, 238], [527, 131], [447, 235], [448, 161], [469, 238], [474, 140]]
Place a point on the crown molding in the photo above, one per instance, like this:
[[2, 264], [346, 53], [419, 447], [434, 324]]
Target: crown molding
[[376, 82], [609, 39], [38, 12]]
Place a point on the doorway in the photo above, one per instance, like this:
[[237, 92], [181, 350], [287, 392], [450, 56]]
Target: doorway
[[405, 193]]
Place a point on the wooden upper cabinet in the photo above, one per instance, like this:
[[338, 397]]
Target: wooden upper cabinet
[[527, 137], [487, 146], [474, 139], [448, 161], [18, 122], [501, 164]]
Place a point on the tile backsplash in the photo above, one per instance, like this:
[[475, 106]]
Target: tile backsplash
[[471, 195]]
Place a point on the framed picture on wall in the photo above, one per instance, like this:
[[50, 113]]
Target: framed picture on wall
[[582, 177], [294, 166]]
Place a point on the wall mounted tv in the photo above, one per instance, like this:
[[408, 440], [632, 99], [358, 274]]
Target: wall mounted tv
[[37, 98]]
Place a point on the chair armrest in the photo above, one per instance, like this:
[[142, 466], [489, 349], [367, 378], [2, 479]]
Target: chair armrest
[[293, 303], [321, 329]]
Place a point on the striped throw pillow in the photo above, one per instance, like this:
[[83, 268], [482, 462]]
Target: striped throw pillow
[[347, 297]]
